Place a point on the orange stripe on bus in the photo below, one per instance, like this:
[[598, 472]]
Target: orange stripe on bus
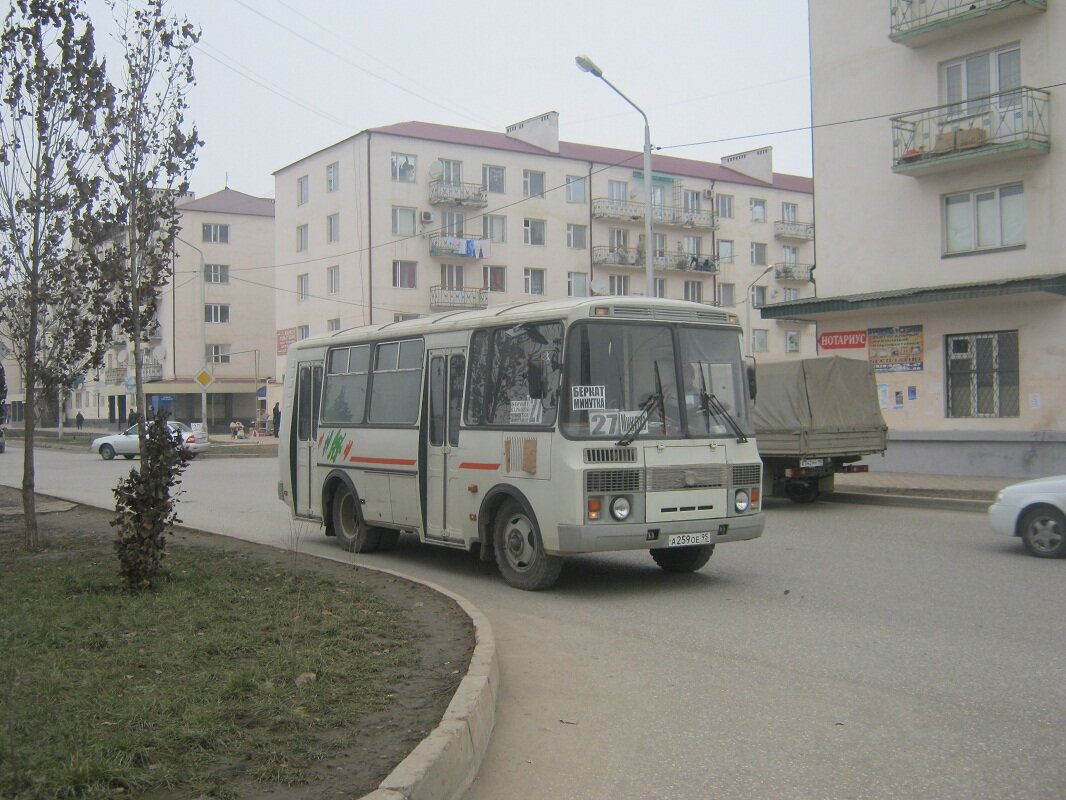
[[476, 465], [407, 462]]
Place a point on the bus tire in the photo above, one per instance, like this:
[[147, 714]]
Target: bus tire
[[683, 559], [387, 539], [520, 550], [351, 530]]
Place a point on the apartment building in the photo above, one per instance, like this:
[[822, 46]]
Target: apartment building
[[415, 218], [213, 343], [941, 250]]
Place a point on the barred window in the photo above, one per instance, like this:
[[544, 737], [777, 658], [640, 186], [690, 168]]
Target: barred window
[[982, 374]]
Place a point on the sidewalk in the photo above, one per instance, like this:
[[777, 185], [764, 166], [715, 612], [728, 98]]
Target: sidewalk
[[963, 487]]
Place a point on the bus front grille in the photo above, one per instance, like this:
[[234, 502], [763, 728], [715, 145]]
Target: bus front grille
[[610, 455], [699, 476], [612, 481], [747, 474]]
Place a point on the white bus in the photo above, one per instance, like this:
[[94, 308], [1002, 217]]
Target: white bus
[[528, 432]]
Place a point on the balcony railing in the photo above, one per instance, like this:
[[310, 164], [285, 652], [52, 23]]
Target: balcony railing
[[784, 229], [1016, 122], [606, 208], [916, 22], [458, 194], [793, 272], [669, 259], [459, 247], [441, 297]]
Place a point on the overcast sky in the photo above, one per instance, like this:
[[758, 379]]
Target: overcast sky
[[279, 79]]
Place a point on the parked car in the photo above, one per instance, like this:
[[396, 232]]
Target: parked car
[[1036, 512], [125, 443]]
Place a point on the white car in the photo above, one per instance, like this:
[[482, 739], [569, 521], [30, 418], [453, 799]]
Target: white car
[[125, 443], [1035, 511]]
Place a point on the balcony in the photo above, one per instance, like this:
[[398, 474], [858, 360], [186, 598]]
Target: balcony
[[997, 127], [669, 259], [633, 211], [793, 272], [785, 229], [459, 247], [918, 22], [473, 195], [445, 297]]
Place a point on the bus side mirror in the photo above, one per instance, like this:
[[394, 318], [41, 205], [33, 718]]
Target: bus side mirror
[[535, 379], [749, 370]]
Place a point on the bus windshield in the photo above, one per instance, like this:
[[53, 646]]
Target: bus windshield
[[644, 381]]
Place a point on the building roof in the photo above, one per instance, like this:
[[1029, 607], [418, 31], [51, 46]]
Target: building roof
[[230, 201], [672, 165], [1054, 284]]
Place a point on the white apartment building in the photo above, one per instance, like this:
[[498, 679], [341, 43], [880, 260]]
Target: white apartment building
[[415, 218], [941, 252]]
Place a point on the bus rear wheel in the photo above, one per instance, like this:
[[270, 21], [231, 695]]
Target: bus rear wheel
[[520, 550], [683, 559], [352, 532]]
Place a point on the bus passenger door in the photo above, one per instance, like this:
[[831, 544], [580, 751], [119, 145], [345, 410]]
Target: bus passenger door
[[447, 372], [305, 417]]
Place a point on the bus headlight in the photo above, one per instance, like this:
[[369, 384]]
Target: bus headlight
[[620, 508], [741, 501]]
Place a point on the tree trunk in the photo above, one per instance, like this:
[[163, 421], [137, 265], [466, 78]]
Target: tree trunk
[[59, 424], [29, 505]]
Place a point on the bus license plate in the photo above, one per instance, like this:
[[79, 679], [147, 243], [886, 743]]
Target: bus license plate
[[685, 539]]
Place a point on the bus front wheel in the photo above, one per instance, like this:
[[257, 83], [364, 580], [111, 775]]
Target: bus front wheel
[[520, 551], [352, 532], [683, 559]]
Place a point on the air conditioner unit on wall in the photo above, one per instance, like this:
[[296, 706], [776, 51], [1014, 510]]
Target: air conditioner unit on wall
[[427, 217], [708, 194]]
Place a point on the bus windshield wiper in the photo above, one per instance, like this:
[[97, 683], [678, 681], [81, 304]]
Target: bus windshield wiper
[[654, 399], [712, 405]]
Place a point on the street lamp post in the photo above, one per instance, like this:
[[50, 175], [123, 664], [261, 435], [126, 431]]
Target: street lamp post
[[585, 64], [747, 308]]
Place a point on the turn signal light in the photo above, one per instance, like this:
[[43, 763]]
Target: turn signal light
[[594, 507]]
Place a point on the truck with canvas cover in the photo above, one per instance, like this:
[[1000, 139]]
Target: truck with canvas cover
[[814, 418]]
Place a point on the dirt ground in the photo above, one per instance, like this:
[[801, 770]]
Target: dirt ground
[[378, 742]]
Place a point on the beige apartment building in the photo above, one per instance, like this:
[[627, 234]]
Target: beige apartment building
[[214, 341], [416, 218], [940, 187]]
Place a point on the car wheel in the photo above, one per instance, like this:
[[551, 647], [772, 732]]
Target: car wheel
[[683, 559], [520, 551], [351, 530], [1042, 531], [107, 452]]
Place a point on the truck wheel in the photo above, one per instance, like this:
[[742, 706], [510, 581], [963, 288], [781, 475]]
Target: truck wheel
[[683, 559], [520, 551], [1043, 531], [352, 532], [802, 491]]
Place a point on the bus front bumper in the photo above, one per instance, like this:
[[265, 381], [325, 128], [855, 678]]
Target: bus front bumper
[[601, 538]]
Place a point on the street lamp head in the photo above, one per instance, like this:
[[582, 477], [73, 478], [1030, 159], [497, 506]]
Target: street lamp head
[[586, 64]]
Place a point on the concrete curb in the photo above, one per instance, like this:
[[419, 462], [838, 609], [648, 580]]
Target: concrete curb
[[872, 498]]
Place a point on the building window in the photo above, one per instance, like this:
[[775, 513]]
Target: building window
[[451, 171], [791, 254], [725, 251], [984, 219], [333, 279], [618, 240], [216, 312], [333, 176], [404, 274], [690, 201], [724, 205], [575, 189], [532, 183], [577, 284], [216, 273], [619, 285], [215, 233], [726, 294], [494, 227], [301, 238], [217, 354], [333, 228], [789, 212], [333, 324], [659, 287], [966, 84], [694, 291], [618, 191], [534, 281], [760, 342], [451, 276], [758, 254], [404, 167], [403, 221], [758, 296], [303, 332], [982, 374], [576, 236], [790, 294], [452, 223], [758, 210], [492, 178], [402, 317], [691, 245], [533, 231], [303, 286], [494, 279], [303, 190], [792, 341], [659, 241]]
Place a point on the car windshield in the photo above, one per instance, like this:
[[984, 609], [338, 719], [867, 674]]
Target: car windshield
[[650, 381]]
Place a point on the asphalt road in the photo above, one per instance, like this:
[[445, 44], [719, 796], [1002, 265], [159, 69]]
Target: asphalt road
[[851, 652]]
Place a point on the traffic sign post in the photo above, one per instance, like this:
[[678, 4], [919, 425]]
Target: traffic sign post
[[205, 379]]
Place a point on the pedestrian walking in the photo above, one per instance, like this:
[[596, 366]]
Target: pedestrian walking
[[277, 419], [79, 420]]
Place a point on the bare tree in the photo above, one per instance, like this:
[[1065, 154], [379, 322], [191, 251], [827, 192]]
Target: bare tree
[[53, 136], [149, 168]]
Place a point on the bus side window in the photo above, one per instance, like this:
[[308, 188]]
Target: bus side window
[[436, 401], [477, 385], [457, 365], [303, 403]]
